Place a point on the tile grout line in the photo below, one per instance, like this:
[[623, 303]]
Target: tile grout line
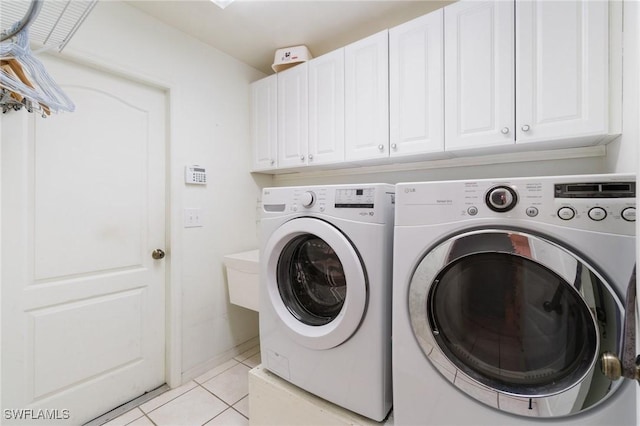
[[223, 371], [217, 397], [148, 418], [199, 384], [187, 391], [165, 403], [225, 402], [234, 409]]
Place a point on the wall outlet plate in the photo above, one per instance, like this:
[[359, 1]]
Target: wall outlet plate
[[192, 218]]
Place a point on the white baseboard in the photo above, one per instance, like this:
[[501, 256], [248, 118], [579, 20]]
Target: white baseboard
[[219, 359]]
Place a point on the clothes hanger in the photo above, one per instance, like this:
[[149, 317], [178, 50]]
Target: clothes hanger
[[33, 82], [7, 69], [17, 70]]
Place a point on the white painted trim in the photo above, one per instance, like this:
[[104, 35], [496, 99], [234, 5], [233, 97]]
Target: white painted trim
[[173, 274], [514, 157]]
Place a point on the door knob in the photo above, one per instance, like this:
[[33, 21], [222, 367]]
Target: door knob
[[157, 254]]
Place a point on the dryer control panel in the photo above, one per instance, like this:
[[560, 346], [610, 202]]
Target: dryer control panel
[[598, 199], [604, 203]]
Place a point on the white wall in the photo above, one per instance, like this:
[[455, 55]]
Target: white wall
[[622, 154], [209, 116]]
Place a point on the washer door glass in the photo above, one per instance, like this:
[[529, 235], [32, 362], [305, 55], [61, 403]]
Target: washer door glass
[[516, 321], [311, 280], [314, 281]]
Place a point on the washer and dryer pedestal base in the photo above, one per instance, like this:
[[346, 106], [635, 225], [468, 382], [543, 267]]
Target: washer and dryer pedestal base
[[274, 401]]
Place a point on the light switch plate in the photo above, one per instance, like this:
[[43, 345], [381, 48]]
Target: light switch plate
[[192, 218]]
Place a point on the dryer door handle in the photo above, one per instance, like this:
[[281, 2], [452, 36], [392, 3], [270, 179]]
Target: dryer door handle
[[629, 366]]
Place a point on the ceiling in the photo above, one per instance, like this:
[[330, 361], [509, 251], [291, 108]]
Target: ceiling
[[252, 30]]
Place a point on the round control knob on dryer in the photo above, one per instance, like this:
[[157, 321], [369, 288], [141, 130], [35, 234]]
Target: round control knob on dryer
[[566, 213], [597, 214], [629, 214], [501, 198], [308, 198]]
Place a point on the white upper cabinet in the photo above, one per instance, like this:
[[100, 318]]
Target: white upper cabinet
[[475, 77], [367, 98], [479, 78], [562, 69], [293, 116], [264, 123], [416, 98], [559, 94], [326, 108]]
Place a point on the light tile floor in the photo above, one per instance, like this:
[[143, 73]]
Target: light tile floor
[[219, 397]]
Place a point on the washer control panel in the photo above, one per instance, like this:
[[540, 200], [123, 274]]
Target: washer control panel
[[365, 202], [354, 198], [594, 202]]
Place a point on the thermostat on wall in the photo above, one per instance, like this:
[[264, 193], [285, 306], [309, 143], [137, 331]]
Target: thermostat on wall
[[195, 174]]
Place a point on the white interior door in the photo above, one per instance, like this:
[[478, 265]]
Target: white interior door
[[83, 197]]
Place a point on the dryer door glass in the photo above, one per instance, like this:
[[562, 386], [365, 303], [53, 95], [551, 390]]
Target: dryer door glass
[[311, 280], [512, 323], [518, 319]]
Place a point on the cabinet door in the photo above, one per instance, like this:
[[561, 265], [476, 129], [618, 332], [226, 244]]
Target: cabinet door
[[479, 78], [326, 108], [263, 123], [292, 116], [416, 72], [367, 98], [562, 69]]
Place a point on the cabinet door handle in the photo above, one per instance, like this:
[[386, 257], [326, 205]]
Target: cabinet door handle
[[505, 130], [381, 147], [273, 162], [302, 158], [310, 157], [525, 128], [394, 146]]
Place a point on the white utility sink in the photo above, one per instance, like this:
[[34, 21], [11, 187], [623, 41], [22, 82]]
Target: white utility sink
[[242, 278]]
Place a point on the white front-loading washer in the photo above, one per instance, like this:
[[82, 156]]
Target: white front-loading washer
[[325, 292], [507, 293]]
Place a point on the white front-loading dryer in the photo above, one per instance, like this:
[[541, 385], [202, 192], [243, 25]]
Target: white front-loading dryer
[[507, 293], [325, 292]]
